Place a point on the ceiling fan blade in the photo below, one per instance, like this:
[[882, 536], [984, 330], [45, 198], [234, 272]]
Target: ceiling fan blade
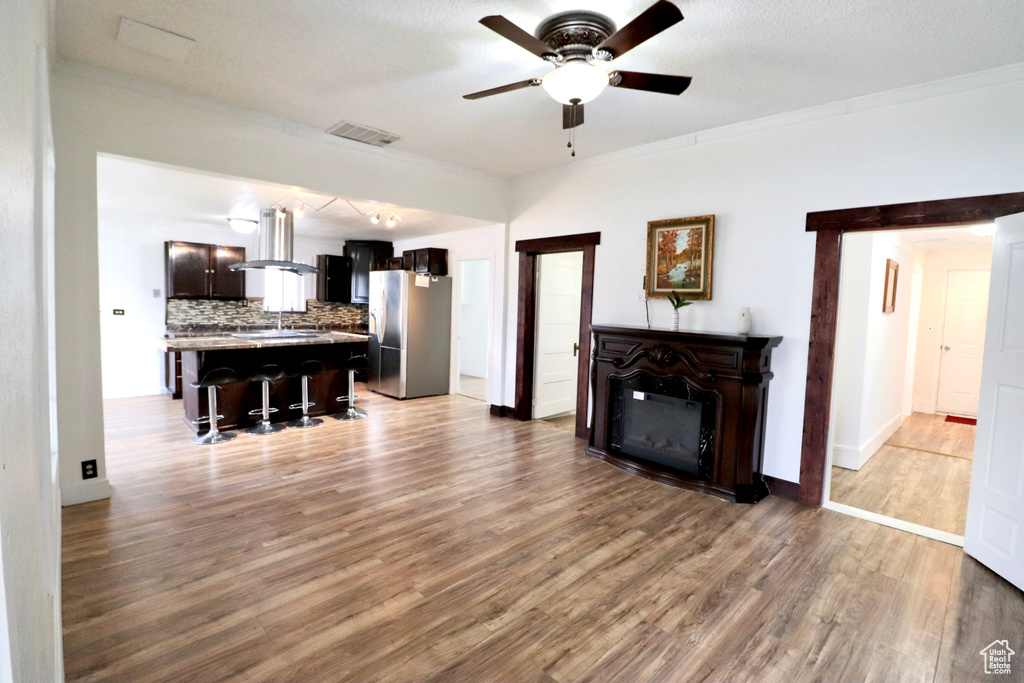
[[570, 118], [635, 80], [506, 29], [504, 88], [650, 23]]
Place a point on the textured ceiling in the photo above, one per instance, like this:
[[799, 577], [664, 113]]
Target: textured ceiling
[[130, 189], [403, 66]]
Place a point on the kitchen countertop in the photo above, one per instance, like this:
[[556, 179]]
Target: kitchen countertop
[[223, 342]]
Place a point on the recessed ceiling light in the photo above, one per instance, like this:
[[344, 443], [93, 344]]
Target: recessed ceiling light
[[153, 40]]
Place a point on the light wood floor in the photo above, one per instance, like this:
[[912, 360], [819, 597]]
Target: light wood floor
[[908, 478], [432, 542], [566, 422], [473, 387]]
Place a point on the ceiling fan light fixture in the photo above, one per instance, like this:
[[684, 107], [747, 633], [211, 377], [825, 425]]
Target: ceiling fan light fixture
[[575, 80]]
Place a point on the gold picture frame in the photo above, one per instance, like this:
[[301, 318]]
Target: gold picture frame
[[892, 271], [680, 257]]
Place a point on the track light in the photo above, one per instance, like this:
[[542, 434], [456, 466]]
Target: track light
[[375, 214], [301, 206]]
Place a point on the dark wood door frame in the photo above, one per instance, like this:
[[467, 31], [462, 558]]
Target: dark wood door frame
[[830, 227], [529, 250]]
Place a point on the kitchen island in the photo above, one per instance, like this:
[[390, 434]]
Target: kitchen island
[[247, 353]]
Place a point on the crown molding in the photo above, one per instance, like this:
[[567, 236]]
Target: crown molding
[[946, 86], [76, 69]]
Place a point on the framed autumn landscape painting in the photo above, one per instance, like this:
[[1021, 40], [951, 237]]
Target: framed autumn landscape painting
[[679, 257]]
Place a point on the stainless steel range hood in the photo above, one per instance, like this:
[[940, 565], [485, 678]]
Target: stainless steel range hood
[[277, 238]]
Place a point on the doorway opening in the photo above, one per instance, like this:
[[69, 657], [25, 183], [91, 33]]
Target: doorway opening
[[909, 344], [529, 254], [556, 368], [474, 328]]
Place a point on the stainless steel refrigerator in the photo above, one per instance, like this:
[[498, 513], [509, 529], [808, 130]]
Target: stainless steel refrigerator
[[410, 333]]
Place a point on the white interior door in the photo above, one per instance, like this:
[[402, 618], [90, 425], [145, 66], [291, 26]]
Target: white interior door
[[559, 288], [995, 511], [963, 342]]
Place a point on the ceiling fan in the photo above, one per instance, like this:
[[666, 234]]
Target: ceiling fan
[[576, 42]]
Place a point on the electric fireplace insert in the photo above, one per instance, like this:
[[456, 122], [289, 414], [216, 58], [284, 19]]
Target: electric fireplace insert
[[684, 408]]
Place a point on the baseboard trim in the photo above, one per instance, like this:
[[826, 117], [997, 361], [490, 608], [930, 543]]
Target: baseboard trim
[[783, 488], [922, 405], [910, 527], [855, 458], [502, 411], [846, 457], [84, 492]]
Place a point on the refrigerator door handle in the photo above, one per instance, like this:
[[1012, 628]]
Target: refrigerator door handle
[[383, 314]]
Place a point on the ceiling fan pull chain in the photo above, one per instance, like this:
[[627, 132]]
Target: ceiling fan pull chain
[[573, 108]]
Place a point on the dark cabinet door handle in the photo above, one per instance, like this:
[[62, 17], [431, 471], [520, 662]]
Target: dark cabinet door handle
[[575, 349]]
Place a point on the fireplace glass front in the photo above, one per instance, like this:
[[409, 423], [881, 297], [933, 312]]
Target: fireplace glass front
[[664, 421]]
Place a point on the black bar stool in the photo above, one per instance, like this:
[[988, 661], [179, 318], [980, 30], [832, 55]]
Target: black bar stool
[[210, 381], [306, 370], [266, 374], [354, 363]]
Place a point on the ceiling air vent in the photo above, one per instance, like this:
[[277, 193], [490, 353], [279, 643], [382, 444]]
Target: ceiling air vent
[[359, 133]]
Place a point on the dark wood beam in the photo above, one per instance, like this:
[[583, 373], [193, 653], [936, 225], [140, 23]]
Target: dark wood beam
[[943, 212], [555, 245], [525, 333], [583, 369]]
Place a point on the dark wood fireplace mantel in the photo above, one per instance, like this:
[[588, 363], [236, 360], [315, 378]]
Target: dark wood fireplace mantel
[[731, 372]]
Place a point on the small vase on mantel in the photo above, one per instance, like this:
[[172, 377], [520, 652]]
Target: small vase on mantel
[[678, 301], [744, 323]]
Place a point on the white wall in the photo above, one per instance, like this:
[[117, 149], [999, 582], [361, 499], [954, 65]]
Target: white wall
[[131, 269], [30, 631], [97, 112], [483, 243], [760, 182], [871, 348], [474, 316], [935, 268]]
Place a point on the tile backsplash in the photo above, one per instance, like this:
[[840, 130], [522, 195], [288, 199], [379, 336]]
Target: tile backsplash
[[207, 315]]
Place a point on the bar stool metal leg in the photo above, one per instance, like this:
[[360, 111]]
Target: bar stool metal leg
[[305, 420], [351, 413], [214, 435], [265, 426]]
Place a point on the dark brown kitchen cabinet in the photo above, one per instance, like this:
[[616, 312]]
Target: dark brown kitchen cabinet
[[366, 255], [200, 271], [334, 281], [429, 260]]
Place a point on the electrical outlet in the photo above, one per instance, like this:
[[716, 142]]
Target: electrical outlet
[[156, 293], [89, 470]]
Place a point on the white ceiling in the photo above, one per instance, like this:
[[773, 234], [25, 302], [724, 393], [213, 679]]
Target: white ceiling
[[403, 65], [947, 238], [131, 189]]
